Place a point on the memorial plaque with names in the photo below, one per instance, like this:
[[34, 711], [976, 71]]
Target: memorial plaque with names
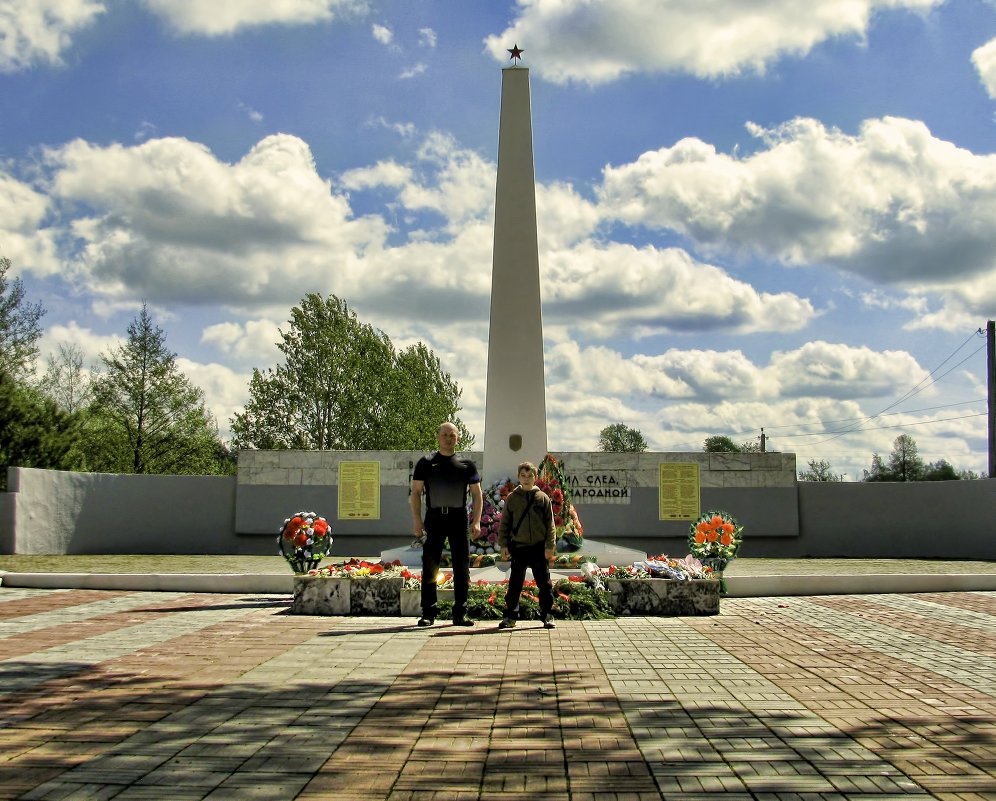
[[359, 490], [679, 491]]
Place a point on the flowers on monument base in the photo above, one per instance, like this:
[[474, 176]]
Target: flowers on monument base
[[359, 568], [305, 539]]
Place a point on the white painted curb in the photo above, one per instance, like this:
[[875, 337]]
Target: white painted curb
[[737, 586]]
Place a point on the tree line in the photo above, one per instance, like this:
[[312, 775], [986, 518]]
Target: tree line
[[342, 385]]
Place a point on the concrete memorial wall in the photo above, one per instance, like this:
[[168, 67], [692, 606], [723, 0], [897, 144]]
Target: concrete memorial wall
[[618, 500]]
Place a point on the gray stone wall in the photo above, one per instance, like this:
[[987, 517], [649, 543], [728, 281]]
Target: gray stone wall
[[58, 512]]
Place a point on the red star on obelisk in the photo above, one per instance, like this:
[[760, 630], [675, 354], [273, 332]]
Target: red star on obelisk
[[516, 52]]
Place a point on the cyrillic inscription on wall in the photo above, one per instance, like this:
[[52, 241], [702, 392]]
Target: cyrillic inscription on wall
[[599, 486]]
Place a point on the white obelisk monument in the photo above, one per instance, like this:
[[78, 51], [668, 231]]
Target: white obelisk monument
[[515, 406]]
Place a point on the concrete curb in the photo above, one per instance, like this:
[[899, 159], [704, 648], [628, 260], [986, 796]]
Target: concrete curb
[[737, 586]]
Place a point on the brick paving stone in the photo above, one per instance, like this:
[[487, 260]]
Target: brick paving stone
[[835, 697]]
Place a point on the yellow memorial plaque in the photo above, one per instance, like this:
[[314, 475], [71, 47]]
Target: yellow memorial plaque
[[359, 490], [679, 491]]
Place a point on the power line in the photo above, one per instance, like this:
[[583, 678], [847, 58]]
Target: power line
[[853, 419], [917, 388]]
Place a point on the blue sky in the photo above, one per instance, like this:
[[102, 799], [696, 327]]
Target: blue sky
[[776, 214]]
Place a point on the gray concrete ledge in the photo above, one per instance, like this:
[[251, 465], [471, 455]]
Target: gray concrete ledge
[[737, 586]]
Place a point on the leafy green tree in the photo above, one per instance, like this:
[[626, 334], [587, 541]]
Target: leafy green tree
[[146, 416], [820, 470], [343, 386], [19, 329], [878, 471], [620, 438], [941, 470], [720, 444], [905, 463], [34, 432]]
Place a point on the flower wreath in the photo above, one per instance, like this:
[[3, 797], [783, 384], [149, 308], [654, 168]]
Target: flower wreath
[[715, 535], [304, 540]]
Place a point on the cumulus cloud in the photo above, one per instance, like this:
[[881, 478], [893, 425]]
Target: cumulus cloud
[[38, 32], [984, 59], [643, 291], [252, 342], [602, 40], [893, 203], [169, 221], [817, 369], [223, 17], [24, 237]]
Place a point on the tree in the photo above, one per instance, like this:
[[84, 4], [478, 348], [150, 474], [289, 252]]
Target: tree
[[343, 386], [146, 416], [619, 438], [34, 432], [878, 472], [19, 329], [905, 463], [720, 444], [820, 471], [65, 381], [941, 470]]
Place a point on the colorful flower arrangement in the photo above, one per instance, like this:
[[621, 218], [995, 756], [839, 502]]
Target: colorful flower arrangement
[[305, 539], [359, 568], [653, 567], [494, 505], [715, 535], [551, 480]]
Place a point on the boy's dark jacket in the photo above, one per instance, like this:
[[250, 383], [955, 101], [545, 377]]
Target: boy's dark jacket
[[536, 528]]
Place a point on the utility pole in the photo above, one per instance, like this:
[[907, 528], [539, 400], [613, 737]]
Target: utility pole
[[991, 379], [763, 440]]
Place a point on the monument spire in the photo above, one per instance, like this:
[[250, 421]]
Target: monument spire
[[515, 406]]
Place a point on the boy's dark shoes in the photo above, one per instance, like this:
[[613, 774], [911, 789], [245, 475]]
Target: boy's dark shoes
[[463, 621], [426, 621], [548, 623], [506, 624]]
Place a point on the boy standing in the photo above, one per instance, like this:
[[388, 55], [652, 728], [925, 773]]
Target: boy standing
[[527, 534]]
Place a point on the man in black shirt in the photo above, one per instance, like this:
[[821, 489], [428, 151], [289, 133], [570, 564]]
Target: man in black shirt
[[445, 479]]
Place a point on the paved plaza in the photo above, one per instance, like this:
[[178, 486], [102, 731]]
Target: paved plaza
[[168, 695]]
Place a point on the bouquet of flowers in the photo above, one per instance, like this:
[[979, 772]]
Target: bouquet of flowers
[[494, 505], [570, 532], [359, 568], [715, 535], [304, 540]]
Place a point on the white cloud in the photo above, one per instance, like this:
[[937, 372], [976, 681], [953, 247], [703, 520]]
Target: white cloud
[[602, 40], [24, 239], [984, 59], [38, 31], [221, 17], [893, 204], [225, 391], [382, 34], [830, 370], [252, 342], [170, 222], [413, 71], [89, 342], [427, 37], [611, 289]]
